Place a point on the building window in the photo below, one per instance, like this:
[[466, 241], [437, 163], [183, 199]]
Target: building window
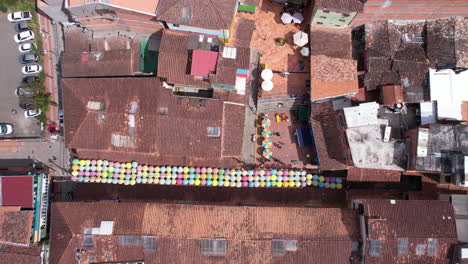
[[126, 240], [280, 247], [420, 250], [403, 246], [432, 246], [149, 243], [355, 246], [213, 247], [375, 247], [163, 111]]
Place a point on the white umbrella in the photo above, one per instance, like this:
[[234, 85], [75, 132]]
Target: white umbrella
[[286, 18], [298, 18], [301, 38], [267, 74], [267, 86], [305, 52]]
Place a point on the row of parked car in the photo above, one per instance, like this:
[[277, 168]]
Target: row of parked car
[[25, 95], [29, 58], [25, 34]]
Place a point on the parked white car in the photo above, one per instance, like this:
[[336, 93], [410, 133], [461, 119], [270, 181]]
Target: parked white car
[[6, 129], [31, 69], [25, 47], [19, 16], [32, 113], [24, 36]]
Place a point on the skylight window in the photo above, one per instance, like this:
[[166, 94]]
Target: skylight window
[[432, 246], [280, 247], [403, 246], [130, 240], [229, 53], [375, 247], [94, 105], [149, 243], [214, 247], [214, 131]]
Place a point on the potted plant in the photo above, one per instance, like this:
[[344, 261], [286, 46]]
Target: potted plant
[[280, 41]]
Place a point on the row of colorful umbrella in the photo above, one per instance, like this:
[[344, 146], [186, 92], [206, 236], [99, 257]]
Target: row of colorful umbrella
[[266, 133], [131, 173]]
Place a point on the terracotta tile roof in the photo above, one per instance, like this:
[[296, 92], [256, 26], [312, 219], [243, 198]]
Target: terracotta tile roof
[[372, 80], [227, 68], [166, 127], [372, 175], [173, 59], [441, 41], [413, 80], [326, 69], [390, 249], [251, 2], [392, 61], [20, 255], [422, 219], [16, 226], [415, 220], [353, 193], [464, 110], [379, 64], [101, 63], [321, 39], [249, 231], [138, 5], [392, 94], [232, 141], [242, 32], [461, 42], [331, 77], [333, 71], [175, 56], [7, 257], [329, 139], [78, 41], [342, 5], [377, 40], [200, 13]]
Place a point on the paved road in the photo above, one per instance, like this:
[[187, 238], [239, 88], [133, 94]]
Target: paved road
[[10, 76]]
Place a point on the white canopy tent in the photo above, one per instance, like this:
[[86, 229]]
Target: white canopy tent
[[301, 38]]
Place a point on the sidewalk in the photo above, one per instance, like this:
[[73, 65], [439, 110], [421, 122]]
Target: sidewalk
[[50, 153], [49, 62]]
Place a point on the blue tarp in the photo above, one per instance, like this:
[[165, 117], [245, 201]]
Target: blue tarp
[[304, 137]]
